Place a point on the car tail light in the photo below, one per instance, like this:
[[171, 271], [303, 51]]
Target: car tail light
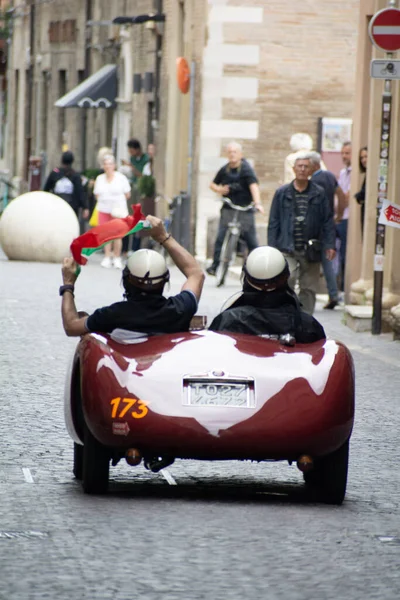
[[305, 463], [133, 457]]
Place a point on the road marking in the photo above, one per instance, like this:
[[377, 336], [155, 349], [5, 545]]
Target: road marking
[[167, 475], [27, 475]]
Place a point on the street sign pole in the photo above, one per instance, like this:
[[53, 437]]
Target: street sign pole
[[385, 34], [379, 255]]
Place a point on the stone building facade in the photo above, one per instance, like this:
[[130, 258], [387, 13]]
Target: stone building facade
[[54, 47], [264, 69]]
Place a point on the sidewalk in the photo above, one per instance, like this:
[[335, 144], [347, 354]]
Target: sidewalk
[[382, 347]]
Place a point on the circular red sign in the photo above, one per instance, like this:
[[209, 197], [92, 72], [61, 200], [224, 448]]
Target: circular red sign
[[384, 29]]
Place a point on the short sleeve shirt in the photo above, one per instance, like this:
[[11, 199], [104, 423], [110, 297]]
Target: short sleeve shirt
[[139, 164], [147, 313], [111, 194], [345, 182], [239, 180]]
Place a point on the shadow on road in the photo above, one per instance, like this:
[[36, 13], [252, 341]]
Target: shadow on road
[[221, 491]]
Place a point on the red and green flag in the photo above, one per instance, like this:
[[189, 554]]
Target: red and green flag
[[97, 237]]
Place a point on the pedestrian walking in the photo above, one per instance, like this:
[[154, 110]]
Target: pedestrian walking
[[342, 221], [112, 190], [360, 195], [328, 182], [301, 226], [137, 161], [66, 183], [237, 181]]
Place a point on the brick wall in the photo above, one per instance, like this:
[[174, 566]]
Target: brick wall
[[274, 68]]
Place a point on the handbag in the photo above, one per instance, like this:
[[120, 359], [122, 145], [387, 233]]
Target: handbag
[[94, 219], [314, 251]]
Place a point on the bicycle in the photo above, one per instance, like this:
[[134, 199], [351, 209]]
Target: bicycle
[[229, 245]]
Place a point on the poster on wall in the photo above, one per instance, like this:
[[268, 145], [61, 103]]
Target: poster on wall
[[332, 133]]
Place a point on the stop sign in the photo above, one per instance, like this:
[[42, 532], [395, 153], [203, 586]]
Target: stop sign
[[384, 29]]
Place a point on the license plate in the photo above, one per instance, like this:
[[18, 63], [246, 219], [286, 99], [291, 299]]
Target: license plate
[[216, 393]]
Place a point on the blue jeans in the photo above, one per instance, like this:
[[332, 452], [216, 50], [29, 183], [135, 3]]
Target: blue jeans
[[330, 277], [341, 230]]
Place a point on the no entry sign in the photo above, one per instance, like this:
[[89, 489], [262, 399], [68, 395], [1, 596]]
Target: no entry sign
[[384, 29]]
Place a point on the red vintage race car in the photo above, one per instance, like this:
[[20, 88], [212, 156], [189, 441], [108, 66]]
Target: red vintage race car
[[210, 396]]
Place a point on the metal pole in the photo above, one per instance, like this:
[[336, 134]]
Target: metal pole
[[384, 153], [190, 153], [379, 256], [191, 127]]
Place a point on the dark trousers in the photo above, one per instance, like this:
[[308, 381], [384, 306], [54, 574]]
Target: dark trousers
[[248, 234], [341, 230], [131, 242]]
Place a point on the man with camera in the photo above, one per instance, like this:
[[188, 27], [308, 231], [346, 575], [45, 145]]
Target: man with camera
[[237, 181], [301, 226]]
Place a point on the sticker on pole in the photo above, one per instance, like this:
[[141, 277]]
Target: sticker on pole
[[390, 214], [384, 29], [379, 261]]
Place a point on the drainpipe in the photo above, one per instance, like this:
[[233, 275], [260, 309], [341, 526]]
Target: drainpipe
[[86, 71], [158, 5], [29, 119]]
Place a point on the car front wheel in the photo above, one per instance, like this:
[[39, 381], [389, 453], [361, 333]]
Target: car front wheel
[[329, 476], [96, 465]]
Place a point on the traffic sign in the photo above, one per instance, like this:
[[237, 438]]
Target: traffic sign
[[385, 69], [384, 29]]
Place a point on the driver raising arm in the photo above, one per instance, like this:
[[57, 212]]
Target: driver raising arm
[[145, 308]]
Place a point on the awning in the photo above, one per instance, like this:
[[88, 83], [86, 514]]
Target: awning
[[97, 91]]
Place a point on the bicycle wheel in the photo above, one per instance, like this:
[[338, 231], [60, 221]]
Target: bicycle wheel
[[227, 253]]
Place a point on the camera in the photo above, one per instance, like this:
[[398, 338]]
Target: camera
[[390, 67]]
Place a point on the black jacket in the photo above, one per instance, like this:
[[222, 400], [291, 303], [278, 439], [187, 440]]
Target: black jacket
[[271, 313], [78, 198], [318, 222]]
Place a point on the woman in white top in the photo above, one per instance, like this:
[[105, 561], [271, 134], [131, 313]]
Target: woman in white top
[[112, 190]]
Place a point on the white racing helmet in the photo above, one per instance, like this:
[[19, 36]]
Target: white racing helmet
[[266, 269], [147, 269]]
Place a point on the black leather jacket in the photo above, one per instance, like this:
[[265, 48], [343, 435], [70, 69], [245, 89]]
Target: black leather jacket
[[269, 313]]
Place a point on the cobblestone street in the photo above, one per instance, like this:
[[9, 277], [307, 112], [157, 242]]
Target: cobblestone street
[[234, 530]]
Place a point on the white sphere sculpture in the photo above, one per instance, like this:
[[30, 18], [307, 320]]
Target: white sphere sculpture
[[39, 227]]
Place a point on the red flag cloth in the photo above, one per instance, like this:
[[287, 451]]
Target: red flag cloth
[[102, 234]]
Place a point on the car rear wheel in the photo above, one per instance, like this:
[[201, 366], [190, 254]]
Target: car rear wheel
[[329, 476], [96, 465], [78, 461]]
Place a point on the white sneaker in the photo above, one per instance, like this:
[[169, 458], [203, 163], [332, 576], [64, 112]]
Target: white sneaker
[[106, 262], [117, 263]]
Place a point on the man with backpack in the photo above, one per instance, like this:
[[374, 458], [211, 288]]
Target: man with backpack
[[66, 183]]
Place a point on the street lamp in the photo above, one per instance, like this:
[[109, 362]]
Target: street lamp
[[124, 20]]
